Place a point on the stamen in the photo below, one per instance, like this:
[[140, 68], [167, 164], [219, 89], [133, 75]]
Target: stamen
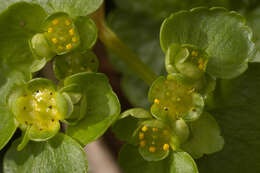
[[68, 46], [54, 40], [166, 147], [55, 21], [152, 149], [144, 129]]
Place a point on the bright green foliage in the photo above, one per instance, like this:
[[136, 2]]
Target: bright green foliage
[[16, 60], [237, 114], [222, 35], [101, 106], [178, 162], [204, 138], [88, 32], [75, 62], [59, 154], [73, 8], [172, 99], [7, 126], [155, 140]]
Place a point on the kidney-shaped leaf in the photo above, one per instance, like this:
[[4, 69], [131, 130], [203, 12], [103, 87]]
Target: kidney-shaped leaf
[[74, 8], [103, 107], [178, 162], [60, 154], [238, 116], [223, 35]]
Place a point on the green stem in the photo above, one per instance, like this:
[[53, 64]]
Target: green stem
[[111, 41]]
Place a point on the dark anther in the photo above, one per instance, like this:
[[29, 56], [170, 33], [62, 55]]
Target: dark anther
[[166, 109], [52, 120], [37, 91], [26, 122], [40, 129], [50, 93], [24, 108], [50, 107]]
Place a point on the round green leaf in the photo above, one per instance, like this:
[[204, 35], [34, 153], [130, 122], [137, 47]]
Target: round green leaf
[[103, 107], [223, 35], [178, 162], [182, 162], [87, 32], [238, 116], [73, 8], [18, 26], [75, 62], [124, 129], [60, 154], [204, 137], [7, 126]]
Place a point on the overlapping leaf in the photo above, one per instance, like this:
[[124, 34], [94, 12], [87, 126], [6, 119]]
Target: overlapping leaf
[[60, 154]]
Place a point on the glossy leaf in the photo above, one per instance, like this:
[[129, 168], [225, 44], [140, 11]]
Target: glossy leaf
[[103, 107], [223, 35], [7, 126], [204, 137], [87, 31], [60, 154], [74, 8], [238, 116], [124, 129], [178, 162], [18, 26], [253, 18]]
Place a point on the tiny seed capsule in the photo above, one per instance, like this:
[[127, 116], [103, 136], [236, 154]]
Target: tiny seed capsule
[[69, 46], [67, 22], [194, 53], [165, 132], [145, 128], [54, 40], [141, 136], [157, 101], [166, 147], [74, 39], [55, 21], [142, 143], [71, 32], [50, 30], [60, 48], [155, 129], [152, 149]]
